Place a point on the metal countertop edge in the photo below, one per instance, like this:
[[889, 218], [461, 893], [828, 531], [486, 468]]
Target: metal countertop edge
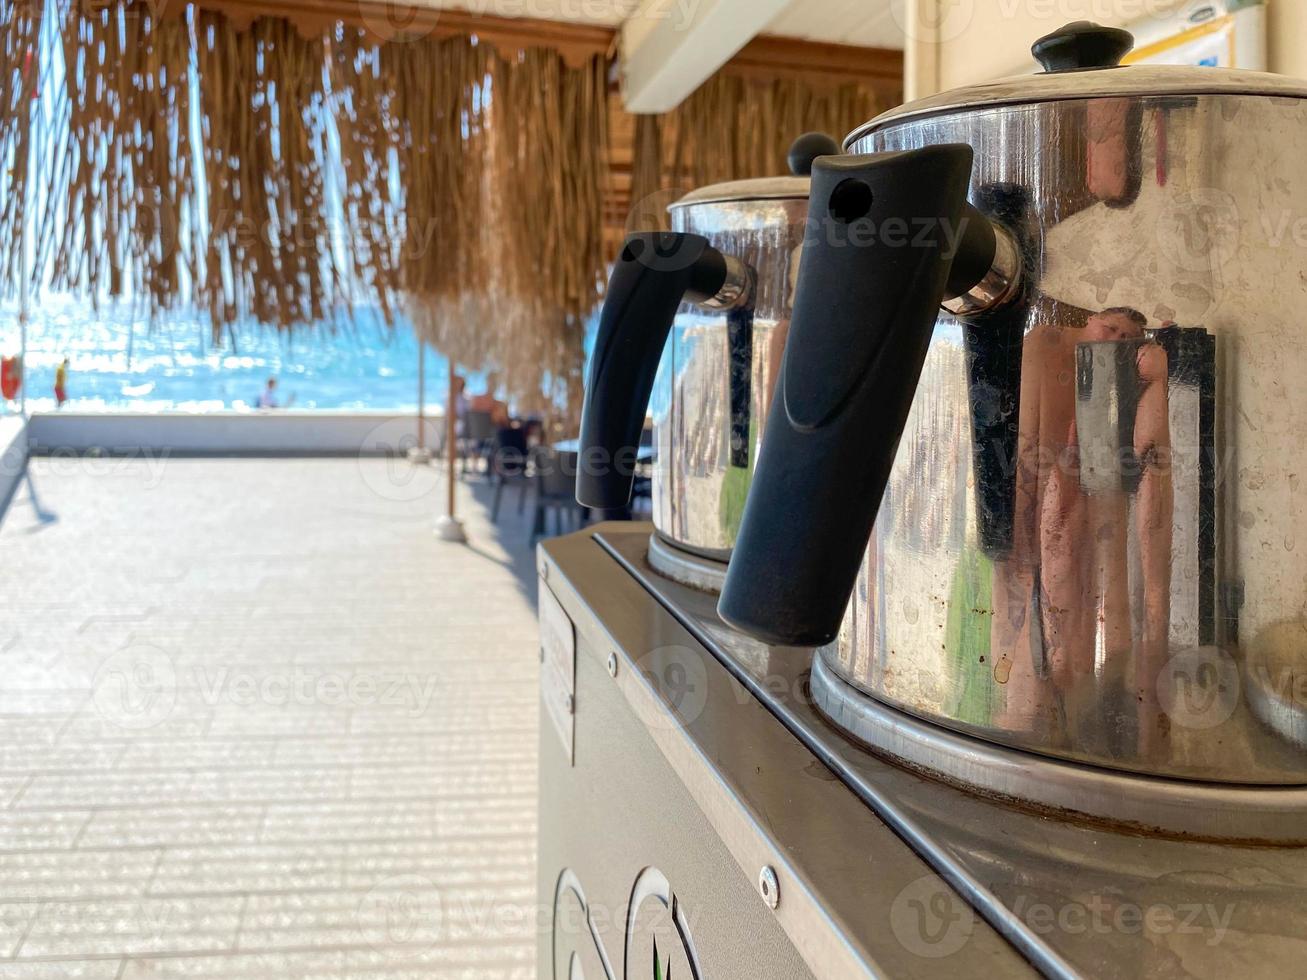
[[690, 747], [986, 904]]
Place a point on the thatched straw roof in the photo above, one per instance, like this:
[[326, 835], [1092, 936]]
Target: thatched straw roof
[[187, 158]]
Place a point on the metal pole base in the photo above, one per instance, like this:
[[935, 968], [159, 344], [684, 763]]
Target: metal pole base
[[451, 529], [419, 456]]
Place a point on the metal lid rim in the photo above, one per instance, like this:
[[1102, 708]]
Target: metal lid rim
[[894, 117]]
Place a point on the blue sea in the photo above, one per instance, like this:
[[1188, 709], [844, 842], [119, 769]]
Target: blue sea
[[118, 361]]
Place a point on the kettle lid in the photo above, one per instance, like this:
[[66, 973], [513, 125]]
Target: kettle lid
[[1082, 61], [803, 152], [761, 189]]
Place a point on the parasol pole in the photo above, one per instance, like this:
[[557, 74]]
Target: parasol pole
[[422, 394], [449, 527], [24, 310], [420, 454]]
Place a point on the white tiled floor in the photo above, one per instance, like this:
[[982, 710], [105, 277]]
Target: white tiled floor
[[256, 721]]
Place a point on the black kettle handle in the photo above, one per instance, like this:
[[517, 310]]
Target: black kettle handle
[[884, 232], [655, 272]]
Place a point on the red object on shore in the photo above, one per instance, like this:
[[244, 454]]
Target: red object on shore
[[11, 377], [30, 68]]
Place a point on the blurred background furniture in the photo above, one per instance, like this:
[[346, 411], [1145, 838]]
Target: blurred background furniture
[[642, 488], [479, 432], [554, 477], [510, 461]]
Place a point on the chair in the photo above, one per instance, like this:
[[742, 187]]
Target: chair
[[642, 485], [478, 437], [509, 461], [641, 490], [555, 483]]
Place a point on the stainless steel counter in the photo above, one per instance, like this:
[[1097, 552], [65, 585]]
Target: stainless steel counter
[[1073, 898]]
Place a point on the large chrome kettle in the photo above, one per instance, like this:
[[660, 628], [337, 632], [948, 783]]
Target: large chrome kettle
[[1082, 533], [721, 284]]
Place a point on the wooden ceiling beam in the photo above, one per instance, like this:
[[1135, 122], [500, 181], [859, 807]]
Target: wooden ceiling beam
[[770, 55], [577, 43]]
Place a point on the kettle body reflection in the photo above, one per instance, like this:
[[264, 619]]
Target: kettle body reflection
[[1093, 519], [1052, 500]]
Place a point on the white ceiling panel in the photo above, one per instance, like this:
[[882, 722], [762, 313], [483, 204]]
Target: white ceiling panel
[[866, 23], [607, 13], [669, 59]]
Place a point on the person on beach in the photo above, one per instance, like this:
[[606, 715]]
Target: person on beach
[[11, 376], [61, 383], [488, 403], [459, 388], [269, 397], [1051, 646]]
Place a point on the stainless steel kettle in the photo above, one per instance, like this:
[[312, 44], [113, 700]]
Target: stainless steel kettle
[[721, 285], [1065, 513]]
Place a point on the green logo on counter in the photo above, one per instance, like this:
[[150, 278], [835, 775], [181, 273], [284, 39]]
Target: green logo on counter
[[658, 967]]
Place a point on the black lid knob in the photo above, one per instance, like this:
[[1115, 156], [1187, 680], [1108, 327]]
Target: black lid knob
[[807, 148], [1082, 45]]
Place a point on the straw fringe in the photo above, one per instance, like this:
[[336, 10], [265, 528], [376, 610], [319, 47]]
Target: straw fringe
[[433, 178], [269, 250], [20, 26], [518, 262], [735, 127], [114, 171], [363, 98]]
